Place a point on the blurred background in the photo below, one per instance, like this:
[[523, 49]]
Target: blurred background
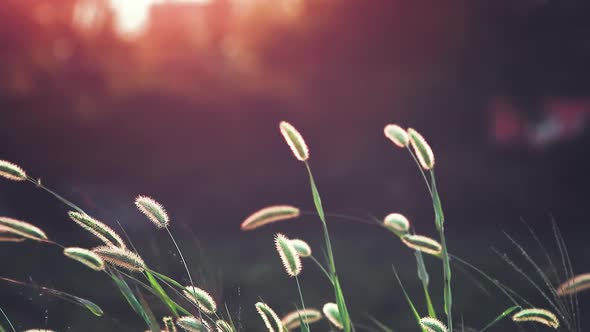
[[180, 100]]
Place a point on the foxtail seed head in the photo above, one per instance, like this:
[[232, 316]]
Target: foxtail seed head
[[169, 324], [85, 257], [542, 316], [37, 330], [288, 254], [574, 285], [295, 141], [293, 319], [97, 228], [397, 135], [201, 298], [422, 149], [270, 318], [11, 171], [331, 312], [269, 215], [422, 243], [121, 257], [223, 326], [192, 324], [21, 228], [433, 325], [303, 249], [397, 223], [153, 210]]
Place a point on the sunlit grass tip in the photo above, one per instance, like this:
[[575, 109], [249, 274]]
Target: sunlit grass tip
[[223, 326], [295, 141], [86, 257], [422, 243], [433, 325], [22, 228], [537, 315], [397, 223], [574, 285], [269, 215], [289, 256], [293, 319], [169, 324], [121, 257], [422, 149], [97, 228], [397, 135], [37, 330], [201, 298], [153, 210], [270, 318], [192, 324], [303, 249], [331, 312], [11, 171]]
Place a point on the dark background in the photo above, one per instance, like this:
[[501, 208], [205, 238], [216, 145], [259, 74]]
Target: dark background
[[188, 112]]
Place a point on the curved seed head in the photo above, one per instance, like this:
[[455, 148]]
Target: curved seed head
[[270, 318], [223, 326], [201, 298], [21, 228], [422, 149], [11, 171], [153, 210], [192, 324], [303, 249], [85, 257], [169, 324], [288, 254], [422, 243], [293, 319], [397, 135], [97, 228], [331, 312], [295, 141], [37, 330], [121, 257], [397, 223], [433, 325], [269, 215], [542, 316], [574, 285]]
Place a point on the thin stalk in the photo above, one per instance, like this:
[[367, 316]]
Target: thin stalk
[[38, 184], [321, 267], [301, 298], [8, 320]]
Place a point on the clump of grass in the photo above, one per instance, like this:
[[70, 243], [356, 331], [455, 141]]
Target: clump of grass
[[303, 249], [331, 312], [537, 315], [397, 223], [289, 256], [98, 229], [201, 298], [422, 243], [293, 319], [397, 135], [574, 285], [270, 318], [192, 324], [86, 257], [12, 171], [121, 257], [269, 215], [433, 325], [22, 228]]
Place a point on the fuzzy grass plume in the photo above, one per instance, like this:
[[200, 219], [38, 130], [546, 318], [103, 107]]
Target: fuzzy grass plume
[[192, 324], [269, 215], [169, 324], [21, 228], [397, 135], [201, 298], [331, 312], [11, 171], [121, 257], [303, 249], [86, 257], [223, 326], [97, 228], [397, 223], [270, 318], [541, 316], [422, 149], [574, 285], [153, 210], [294, 140], [433, 325], [289, 256], [37, 330], [422, 243], [293, 319]]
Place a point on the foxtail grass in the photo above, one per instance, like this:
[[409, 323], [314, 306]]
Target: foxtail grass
[[303, 249], [120, 257], [331, 312], [397, 135], [293, 319], [269, 317], [201, 298], [574, 285], [192, 324], [12, 171], [86, 257], [269, 215], [223, 326], [169, 324], [433, 325], [422, 243], [537, 315], [397, 223], [22, 228], [106, 234], [289, 256]]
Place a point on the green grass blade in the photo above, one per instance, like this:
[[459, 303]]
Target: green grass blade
[[501, 316], [410, 303], [423, 276], [135, 304], [151, 290], [161, 293], [167, 279]]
